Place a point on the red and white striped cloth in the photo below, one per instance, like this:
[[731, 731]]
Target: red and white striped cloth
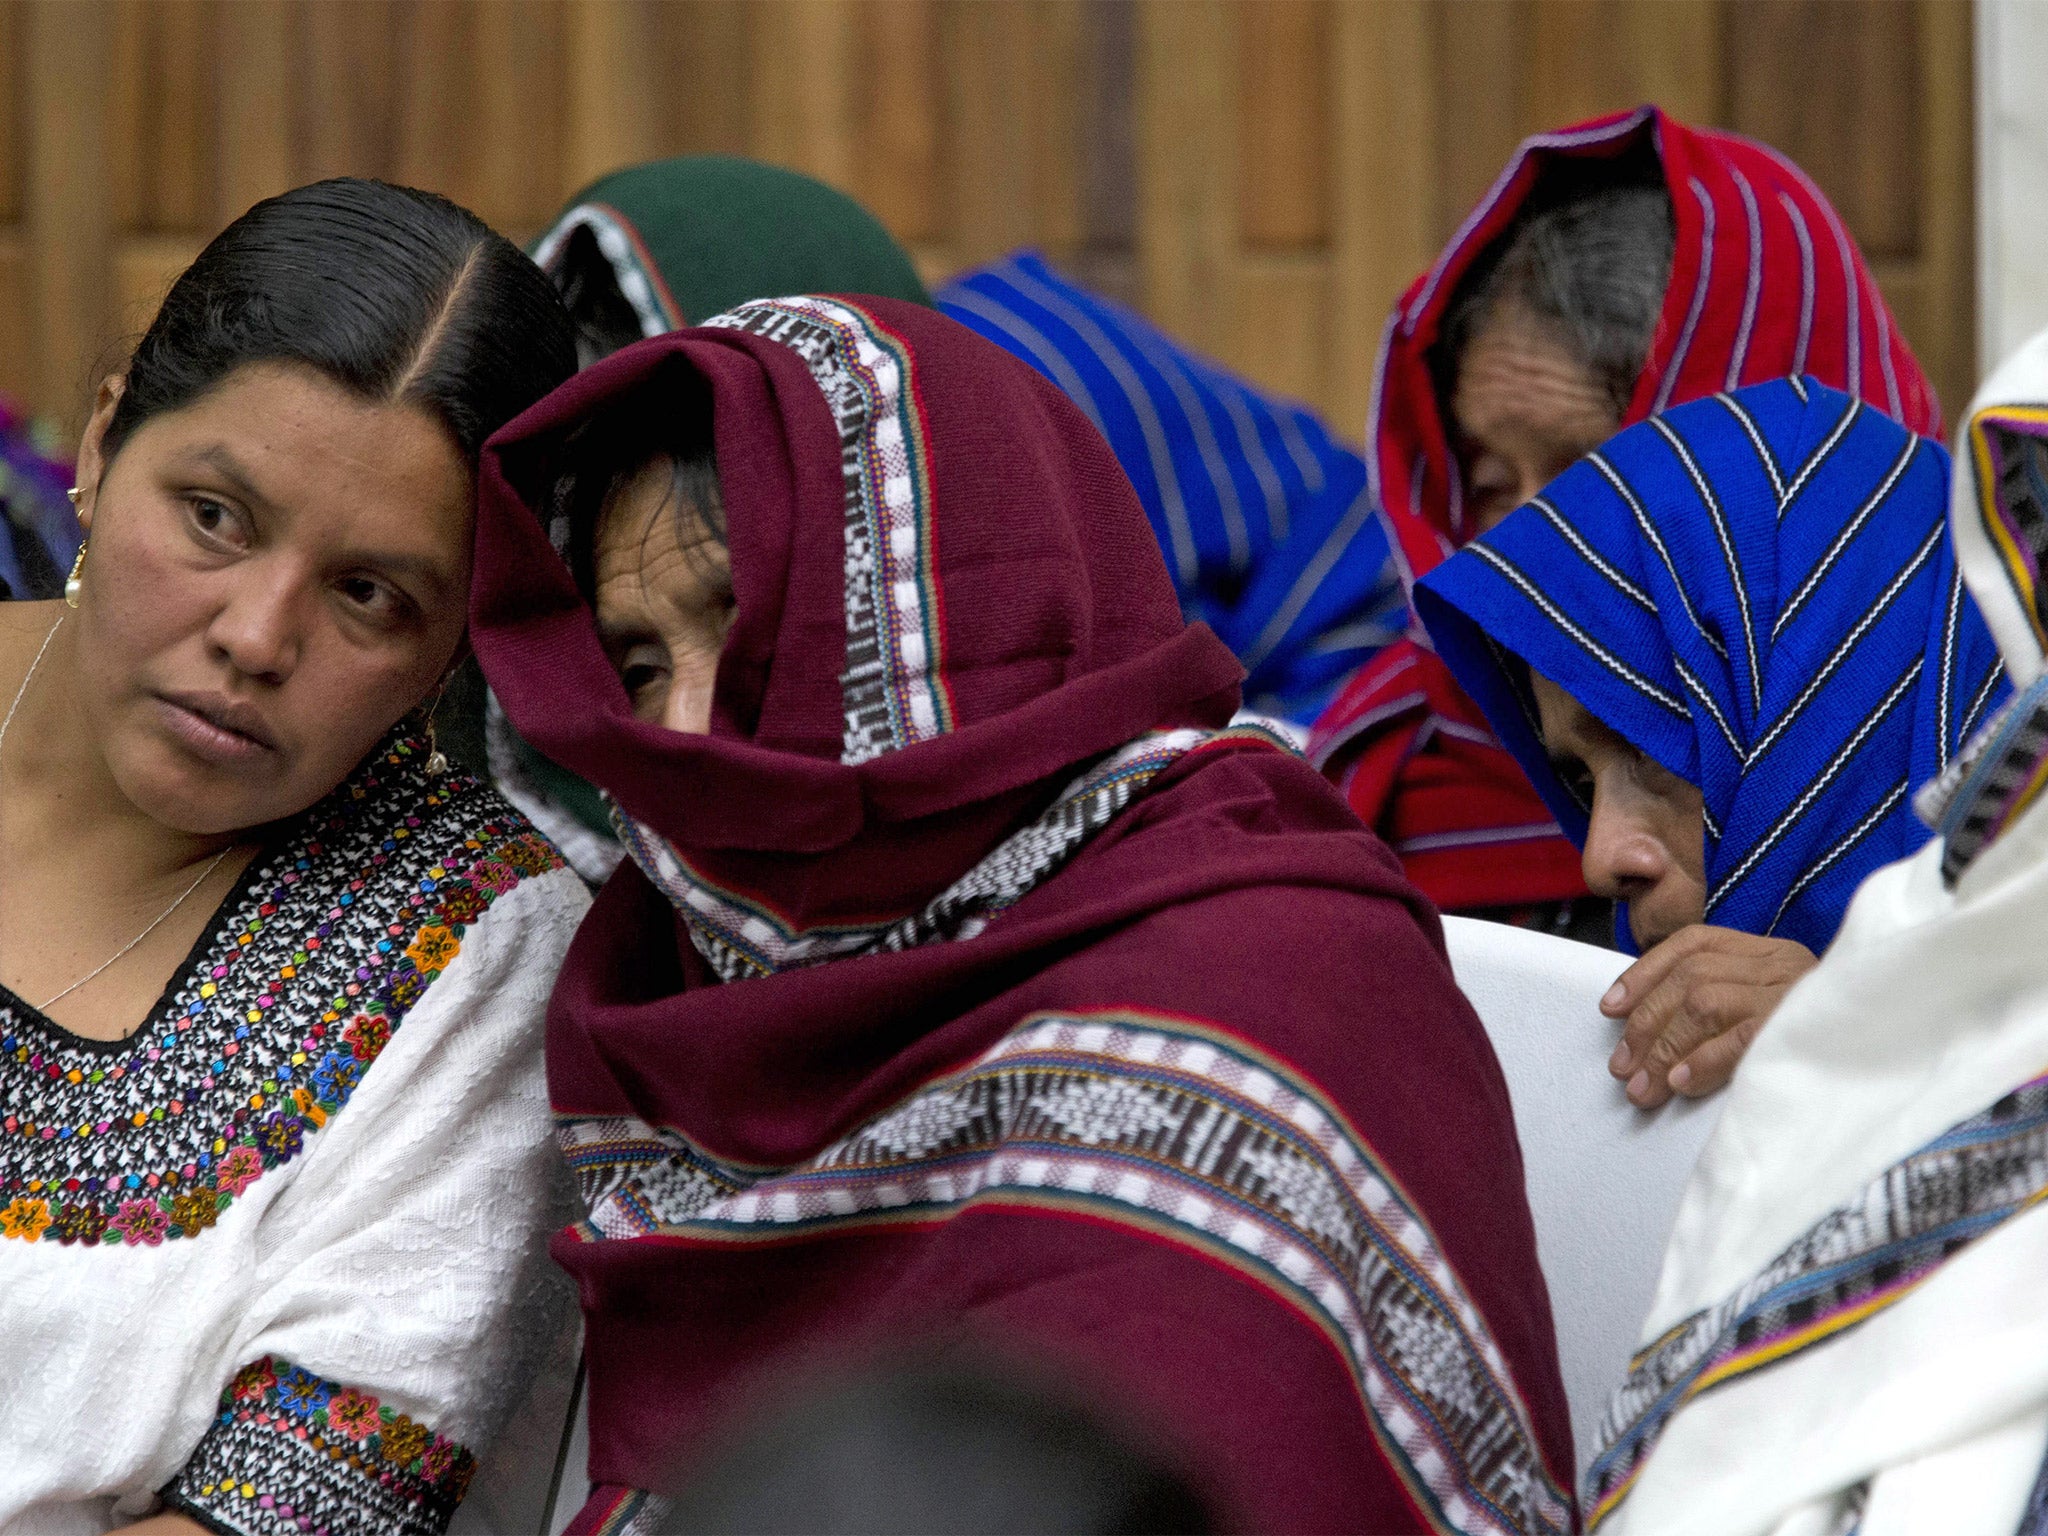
[[1765, 281]]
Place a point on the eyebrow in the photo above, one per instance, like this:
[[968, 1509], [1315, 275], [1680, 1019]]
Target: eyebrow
[[218, 458], [223, 463]]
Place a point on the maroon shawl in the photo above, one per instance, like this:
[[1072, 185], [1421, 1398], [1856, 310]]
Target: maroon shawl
[[1200, 1118]]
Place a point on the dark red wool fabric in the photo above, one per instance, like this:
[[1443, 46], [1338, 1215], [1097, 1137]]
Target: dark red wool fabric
[[1235, 896], [1765, 281]]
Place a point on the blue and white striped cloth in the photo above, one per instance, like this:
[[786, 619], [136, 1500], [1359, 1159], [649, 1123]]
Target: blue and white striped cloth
[[1758, 591], [1261, 513]]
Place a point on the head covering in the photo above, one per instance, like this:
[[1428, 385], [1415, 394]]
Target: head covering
[[891, 1080], [1870, 1219], [691, 237], [685, 239], [1262, 515], [1765, 282], [1757, 591]]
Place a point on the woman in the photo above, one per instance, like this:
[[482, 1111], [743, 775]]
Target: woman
[[973, 986], [1871, 1217], [1230, 477], [1615, 269], [639, 253], [1726, 648], [273, 1161]]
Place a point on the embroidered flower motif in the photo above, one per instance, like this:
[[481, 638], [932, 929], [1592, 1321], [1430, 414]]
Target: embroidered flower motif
[[439, 1457], [462, 904], [25, 1218], [195, 1210], [141, 1221], [405, 1441], [281, 1135], [239, 1169], [336, 1076], [434, 947], [368, 1035], [303, 1392], [406, 990], [80, 1224], [494, 876], [354, 1414], [530, 856], [253, 1382]]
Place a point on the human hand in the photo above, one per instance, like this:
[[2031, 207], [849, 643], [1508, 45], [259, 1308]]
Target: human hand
[[1693, 1004]]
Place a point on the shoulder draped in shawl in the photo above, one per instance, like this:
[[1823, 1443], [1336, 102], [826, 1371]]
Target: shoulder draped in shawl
[[1757, 590], [1765, 283], [1849, 1330], [1201, 1118]]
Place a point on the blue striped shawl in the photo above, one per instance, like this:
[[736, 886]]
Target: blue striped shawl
[[1758, 591], [1261, 514]]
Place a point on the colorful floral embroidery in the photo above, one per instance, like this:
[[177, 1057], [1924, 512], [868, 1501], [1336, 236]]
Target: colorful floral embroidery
[[291, 1452], [302, 983]]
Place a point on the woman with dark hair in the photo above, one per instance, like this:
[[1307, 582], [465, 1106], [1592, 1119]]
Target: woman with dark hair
[[974, 983], [1615, 269], [273, 1159]]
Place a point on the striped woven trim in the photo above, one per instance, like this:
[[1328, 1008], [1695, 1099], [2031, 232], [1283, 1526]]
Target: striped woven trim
[[1853, 1263], [633, 266], [741, 935], [1186, 1132], [2009, 447], [895, 687], [1993, 784]]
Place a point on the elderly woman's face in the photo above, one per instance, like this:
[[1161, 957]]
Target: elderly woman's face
[[1525, 410], [664, 600], [277, 573], [1645, 838]]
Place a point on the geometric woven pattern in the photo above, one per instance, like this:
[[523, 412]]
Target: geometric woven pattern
[[894, 681], [1853, 1263], [1179, 1130]]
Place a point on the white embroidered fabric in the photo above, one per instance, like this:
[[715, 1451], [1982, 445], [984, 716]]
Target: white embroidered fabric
[[403, 1252]]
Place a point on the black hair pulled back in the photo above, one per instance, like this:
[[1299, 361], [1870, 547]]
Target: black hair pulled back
[[397, 295]]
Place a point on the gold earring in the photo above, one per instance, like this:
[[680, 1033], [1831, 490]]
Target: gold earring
[[75, 582], [437, 760], [73, 495]]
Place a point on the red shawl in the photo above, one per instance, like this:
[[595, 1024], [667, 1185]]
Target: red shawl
[[1200, 1119], [1765, 281]]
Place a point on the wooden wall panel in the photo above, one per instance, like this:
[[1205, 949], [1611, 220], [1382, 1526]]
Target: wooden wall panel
[[1262, 177]]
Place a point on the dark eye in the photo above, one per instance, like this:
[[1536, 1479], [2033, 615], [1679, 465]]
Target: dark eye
[[217, 522], [639, 676]]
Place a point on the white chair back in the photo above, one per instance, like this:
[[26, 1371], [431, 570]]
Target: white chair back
[[1604, 1177]]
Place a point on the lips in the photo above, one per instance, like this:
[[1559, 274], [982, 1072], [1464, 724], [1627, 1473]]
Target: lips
[[217, 728]]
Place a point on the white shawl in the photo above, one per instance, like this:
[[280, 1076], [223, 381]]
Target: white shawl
[[1931, 1414]]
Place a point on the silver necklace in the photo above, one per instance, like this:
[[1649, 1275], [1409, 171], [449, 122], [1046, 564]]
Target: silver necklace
[[163, 916]]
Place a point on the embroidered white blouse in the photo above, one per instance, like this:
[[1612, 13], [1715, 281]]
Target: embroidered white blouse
[[279, 1259]]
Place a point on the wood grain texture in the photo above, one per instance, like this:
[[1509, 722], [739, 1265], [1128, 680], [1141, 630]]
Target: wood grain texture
[[1261, 177]]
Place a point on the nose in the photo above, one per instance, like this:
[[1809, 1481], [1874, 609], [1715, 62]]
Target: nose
[[259, 630], [1623, 860], [686, 707]]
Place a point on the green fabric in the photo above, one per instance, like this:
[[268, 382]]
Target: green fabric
[[723, 230]]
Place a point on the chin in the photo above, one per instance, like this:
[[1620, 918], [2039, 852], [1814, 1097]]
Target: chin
[[191, 800]]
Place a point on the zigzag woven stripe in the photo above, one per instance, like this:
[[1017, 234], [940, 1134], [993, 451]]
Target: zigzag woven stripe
[[1190, 1134], [1995, 781], [894, 684], [2010, 445], [741, 937], [1851, 1264]]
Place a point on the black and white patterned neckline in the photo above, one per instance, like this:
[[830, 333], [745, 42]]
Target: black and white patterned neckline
[[330, 938]]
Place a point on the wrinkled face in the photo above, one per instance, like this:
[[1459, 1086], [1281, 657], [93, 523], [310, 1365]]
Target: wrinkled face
[[1524, 411], [664, 600], [277, 573], [1645, 840]]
